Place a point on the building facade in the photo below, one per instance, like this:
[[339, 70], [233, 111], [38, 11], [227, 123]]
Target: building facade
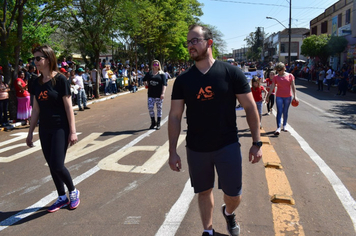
[[277, 44], [239, 54], [338, 20]]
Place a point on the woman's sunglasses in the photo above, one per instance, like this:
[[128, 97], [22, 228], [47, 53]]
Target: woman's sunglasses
[[155, 64], [38, 58]]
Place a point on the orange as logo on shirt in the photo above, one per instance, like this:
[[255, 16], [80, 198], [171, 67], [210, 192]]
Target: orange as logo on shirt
[[205, 94], [43, 96]]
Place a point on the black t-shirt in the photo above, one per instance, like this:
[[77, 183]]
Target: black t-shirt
[[50, 101], [155, 84], [32, 78], [211, 100]]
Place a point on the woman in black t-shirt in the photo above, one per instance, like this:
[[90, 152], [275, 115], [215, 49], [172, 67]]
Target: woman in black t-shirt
[[156, 81], [53, 105]]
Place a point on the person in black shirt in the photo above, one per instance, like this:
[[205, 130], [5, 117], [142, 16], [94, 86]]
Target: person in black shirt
[[156, 81], [53, 106], [209, 90]]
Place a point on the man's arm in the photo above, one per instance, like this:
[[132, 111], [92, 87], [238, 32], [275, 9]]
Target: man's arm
[[253, 121], [174, 128]]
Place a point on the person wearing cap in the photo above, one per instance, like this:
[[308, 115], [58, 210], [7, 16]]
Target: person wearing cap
[[81, 96]]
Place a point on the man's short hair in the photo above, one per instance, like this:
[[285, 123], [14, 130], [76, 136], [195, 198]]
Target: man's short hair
[[206, 31]]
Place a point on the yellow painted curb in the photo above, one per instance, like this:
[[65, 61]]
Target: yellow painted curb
[[285, 214]]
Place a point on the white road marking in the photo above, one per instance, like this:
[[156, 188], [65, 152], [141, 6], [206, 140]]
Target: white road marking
[[329, 115], [43, 202], [177, 213], [341, 191], [52, 196], [151, 166]]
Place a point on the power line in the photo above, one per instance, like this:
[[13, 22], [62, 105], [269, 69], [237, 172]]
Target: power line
[[265, 4]]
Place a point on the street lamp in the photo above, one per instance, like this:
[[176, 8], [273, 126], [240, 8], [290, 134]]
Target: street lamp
[[289, 29]]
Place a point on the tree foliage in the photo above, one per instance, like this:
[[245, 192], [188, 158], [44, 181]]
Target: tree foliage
[[323, 46], [254, 43], [316, 46], [337, 45]]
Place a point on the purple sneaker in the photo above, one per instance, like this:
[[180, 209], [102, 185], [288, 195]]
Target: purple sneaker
[[58, 205], [74, 199]]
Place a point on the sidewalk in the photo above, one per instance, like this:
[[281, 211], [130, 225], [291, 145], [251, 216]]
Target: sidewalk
[[14, 124]]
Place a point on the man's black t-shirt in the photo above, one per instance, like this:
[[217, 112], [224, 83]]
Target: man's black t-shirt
[[50, 101], [211, 100], [155, 84]]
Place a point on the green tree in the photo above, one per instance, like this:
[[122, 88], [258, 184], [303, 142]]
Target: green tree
[[160, 26], [22, 25], [254, 43], [316, 46], [90, 25], [337, 45]]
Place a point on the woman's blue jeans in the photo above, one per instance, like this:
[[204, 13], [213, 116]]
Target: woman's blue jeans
[[282, 108]]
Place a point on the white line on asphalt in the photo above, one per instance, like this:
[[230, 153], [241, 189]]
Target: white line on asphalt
[[341, 191], [328, 114], [49, 198], [44, 201], [177, 213]]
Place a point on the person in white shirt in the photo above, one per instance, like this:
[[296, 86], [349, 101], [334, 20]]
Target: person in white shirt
[[139, 77], [329, 74], [81, 96], [113, 82], [86, 78]]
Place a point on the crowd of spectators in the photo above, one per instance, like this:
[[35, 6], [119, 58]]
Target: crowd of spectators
[[343, 77], [115, 76], [112, 76]]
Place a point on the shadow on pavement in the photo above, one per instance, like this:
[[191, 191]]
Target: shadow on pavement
[[123, 132], [9, 218]]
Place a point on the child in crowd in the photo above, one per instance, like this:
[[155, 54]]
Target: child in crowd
[[269, 81], [257, 90]]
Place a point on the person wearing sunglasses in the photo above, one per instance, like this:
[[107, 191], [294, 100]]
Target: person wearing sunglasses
[[285, 87], [209, 90], [53, 106], [156, 81]]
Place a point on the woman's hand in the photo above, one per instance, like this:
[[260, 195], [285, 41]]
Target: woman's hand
[[29, 140], [72, 139]]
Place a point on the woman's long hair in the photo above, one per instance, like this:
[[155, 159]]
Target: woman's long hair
[[51, 56], [160, 71]]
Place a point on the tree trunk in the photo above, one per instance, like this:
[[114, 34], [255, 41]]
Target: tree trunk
[[12, 93]]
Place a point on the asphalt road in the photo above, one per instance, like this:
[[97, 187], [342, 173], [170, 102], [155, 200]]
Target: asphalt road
[[127, 188]]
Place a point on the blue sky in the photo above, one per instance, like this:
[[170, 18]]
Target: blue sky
[[235, 19]]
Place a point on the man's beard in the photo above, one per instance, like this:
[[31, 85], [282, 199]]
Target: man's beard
[[200, 56]]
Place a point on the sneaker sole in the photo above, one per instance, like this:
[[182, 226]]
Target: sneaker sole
[[58, 208]]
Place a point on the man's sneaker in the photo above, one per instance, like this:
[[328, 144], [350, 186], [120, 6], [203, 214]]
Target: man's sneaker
[[232, 226], [207, 234], [74, 199], [58, 205], [277, 132]]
